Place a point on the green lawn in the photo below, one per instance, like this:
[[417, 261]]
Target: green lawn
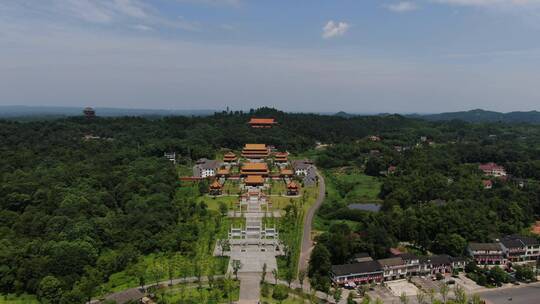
[[155, 267], [345, 187], [291, 230], [213, 202], [17, 299], [295, 296], [220, 293], [357, 187]]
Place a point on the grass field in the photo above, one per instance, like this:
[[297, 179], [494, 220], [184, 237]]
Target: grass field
[[295, 296], [291, 230], [356, 187], [155, 268], [213, 202], [206, 294], [18, 299], [346, 187]]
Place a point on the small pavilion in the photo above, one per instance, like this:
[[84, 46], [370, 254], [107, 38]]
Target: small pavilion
[[216, 188], [292, 188]]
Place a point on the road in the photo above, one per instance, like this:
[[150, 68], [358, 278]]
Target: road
[[307, 243], [524, 294]]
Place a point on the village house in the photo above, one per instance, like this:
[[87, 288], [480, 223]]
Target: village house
[[264, 123], [205, 168], [442, 264], [255, 151], [374, 138], [412, 262], [366, 270], [488, 184], [363, 272], [487, 253], [492, 169], [393, 268], [171, 156], [521, 249]]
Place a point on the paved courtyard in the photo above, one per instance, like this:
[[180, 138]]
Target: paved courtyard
[[402, 286], [253, 259]]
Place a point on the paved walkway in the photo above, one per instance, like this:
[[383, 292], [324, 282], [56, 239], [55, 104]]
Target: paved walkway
[[307, 242], [249, 288]]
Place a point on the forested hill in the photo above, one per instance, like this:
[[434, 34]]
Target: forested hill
[[479, 115], [83, 199]]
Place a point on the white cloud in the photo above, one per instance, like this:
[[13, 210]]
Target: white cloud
[[214, 2], [142, 27], [490, 3], [130, 8], [401, 7], [334, 29], [117, 13]]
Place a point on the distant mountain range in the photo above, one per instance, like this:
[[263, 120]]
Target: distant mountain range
[[477, 115], [480, 115], [25, 111]]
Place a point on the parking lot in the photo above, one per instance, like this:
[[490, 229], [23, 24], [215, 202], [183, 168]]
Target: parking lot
[[427, 283], [383, 293], [402, 287]]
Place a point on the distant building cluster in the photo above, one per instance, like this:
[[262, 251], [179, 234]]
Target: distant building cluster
[[492, 169], [513, 249]]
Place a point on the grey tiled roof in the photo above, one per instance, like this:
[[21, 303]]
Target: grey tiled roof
[[356, 268]]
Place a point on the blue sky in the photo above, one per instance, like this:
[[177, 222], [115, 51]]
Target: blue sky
[[317, 55]]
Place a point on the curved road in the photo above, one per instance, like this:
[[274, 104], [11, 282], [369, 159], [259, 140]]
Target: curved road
[[307, 243]]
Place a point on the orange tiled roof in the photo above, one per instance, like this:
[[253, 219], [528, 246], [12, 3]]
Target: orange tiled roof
[[223, 171], [255, 147], [286, 172], [215, 185], [255, 166], [262, 121], [254, 179], [292, 185]]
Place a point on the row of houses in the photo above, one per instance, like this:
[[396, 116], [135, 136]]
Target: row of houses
[[514, 249], [367, 270]]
